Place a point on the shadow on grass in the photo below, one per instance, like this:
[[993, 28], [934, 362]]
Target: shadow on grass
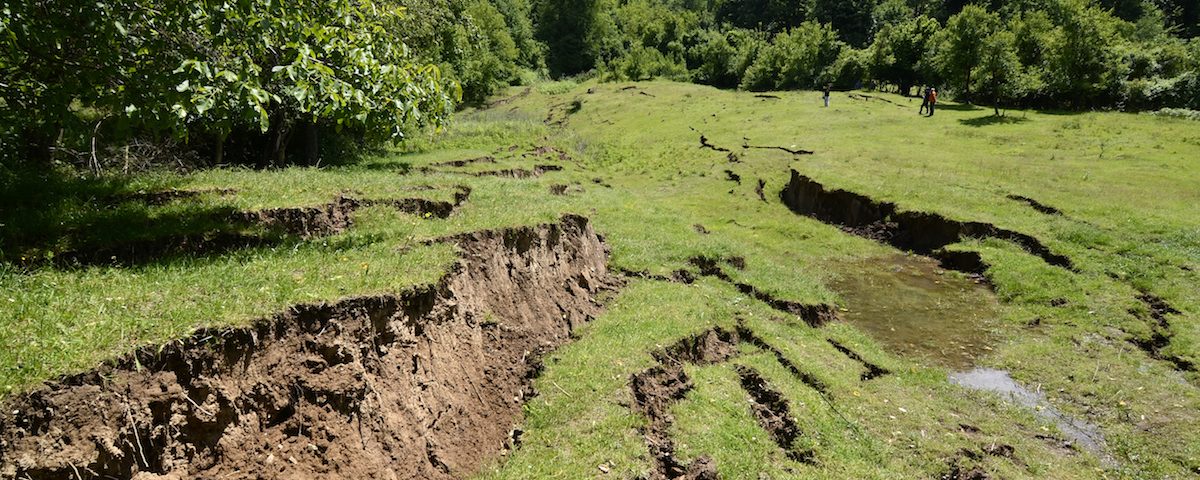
[[992, 120], [57, 219]]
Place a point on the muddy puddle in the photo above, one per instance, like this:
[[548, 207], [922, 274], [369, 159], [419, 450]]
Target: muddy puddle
[[917, 309], [1079, 433]]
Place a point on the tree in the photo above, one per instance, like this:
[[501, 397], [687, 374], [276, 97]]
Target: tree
[[1083, 63], [898, 53], [851, 19], [999, 75], [125, 68], [794, 59], [768, 15], [576, 33], [957, 48]]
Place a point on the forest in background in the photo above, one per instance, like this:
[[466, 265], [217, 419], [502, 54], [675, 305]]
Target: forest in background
[[121, 84]]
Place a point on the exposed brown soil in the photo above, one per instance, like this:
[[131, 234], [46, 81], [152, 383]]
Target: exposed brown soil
[[536, 171], [657, 389], [465, 162], [733, 177], [766, 97], [708, 347], [425, 384], [318, 221], [772, 412], [814, 315], [1160, 332], [958, 472], [700, 229], [760, 190], [144, 251], [542, 151], [872, 370], [920, 232], [1036, 205]]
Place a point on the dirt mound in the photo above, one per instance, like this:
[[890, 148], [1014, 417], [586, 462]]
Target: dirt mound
[[536, 171], [920, 232], [465, 162], [711, 346], [319, 221], [427, 384]]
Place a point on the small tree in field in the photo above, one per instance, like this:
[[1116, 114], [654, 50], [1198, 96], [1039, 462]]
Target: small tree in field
[[999, 73], [957, 48]]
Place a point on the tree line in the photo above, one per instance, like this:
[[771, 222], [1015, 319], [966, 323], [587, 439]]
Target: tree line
[[267, 82], [1079, 54]]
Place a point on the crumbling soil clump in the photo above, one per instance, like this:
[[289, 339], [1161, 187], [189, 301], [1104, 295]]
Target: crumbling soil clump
[[772, 411], [328, 219], [427, 384]]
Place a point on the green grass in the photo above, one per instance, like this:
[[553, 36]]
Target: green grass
[[1126, 185]]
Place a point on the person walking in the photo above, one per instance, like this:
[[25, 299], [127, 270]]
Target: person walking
[[826, 97], [924, 100], [932, 100]]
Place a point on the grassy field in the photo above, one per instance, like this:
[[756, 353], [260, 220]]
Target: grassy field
[[632, 162]]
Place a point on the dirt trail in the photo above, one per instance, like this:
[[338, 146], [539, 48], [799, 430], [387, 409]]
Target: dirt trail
[[427, 384], [921, 232]]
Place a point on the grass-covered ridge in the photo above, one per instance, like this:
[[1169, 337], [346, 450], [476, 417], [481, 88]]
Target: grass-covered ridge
[[632, 162]]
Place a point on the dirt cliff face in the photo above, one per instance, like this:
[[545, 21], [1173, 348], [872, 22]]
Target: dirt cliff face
[[427, 384]]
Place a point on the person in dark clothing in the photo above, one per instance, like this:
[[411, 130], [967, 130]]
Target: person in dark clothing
[[826, 97], [924, 101], [932, 100]]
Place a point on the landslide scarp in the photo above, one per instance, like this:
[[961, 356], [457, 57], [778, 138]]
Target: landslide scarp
[[422, 384]]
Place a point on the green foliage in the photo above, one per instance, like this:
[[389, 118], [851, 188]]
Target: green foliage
[[956, 50], [898, 53], [767, 15], [576, 33], [1000, 76], [850, 18], [471, 41], [1084, 65], [795, 59], [190, 67]]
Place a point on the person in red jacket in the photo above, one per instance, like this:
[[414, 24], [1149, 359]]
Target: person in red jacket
[[932, 100]]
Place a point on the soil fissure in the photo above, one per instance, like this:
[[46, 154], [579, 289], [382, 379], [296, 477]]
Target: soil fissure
[[425, 384]]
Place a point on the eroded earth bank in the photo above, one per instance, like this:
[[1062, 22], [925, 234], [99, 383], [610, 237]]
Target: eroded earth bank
[[425, 384]]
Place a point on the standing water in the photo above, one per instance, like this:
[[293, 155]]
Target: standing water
[[918, 309]]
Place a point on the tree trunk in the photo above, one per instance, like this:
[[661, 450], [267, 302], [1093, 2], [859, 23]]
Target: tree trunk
[[311, 144], [219, 151]]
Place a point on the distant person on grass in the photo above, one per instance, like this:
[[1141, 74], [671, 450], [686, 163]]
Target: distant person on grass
[[826, 97], [924, 100], [932, 100]]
